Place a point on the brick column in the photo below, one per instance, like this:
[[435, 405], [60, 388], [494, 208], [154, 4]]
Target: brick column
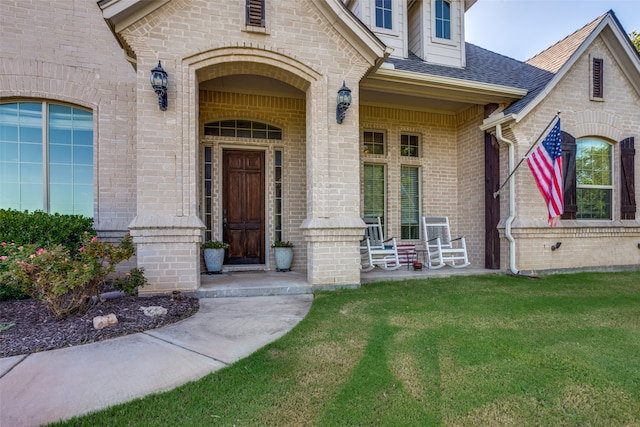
[[333, 227], [167, 231]]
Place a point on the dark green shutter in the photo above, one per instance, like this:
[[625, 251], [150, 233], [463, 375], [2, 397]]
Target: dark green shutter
[[569, 175], [627, 179]]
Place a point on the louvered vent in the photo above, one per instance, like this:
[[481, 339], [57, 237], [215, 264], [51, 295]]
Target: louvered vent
[[255, 13], [598, 90]]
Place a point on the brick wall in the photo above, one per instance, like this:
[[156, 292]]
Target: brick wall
[[451, 165], [584, 244], [63, 51]]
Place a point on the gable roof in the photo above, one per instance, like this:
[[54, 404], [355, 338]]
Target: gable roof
[[550, 66], [536, 76]]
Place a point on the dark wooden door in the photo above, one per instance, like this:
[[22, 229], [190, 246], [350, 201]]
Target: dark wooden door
[[243, 206]]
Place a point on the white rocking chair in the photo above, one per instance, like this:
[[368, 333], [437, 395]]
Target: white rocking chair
[[375, 250], [439, 247]]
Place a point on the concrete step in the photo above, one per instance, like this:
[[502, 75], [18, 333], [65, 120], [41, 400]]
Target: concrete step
[[254, 291], [251, 284]]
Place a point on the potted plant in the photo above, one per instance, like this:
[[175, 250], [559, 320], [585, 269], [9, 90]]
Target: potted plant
[[214, 255], [284, 255]]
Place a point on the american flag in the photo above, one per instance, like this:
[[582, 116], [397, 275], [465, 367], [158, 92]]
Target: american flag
[[545, 163]]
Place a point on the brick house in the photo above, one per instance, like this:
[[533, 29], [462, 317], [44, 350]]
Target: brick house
[[249, 148]]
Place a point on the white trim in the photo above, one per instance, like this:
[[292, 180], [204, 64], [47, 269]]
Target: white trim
[[439, 81]]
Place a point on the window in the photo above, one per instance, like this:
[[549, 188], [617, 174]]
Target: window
[[597, 74], [593, 162], [594, 183], [409, 145], [208, 193], [410, 202], [46, 158], [374, 186], [373, 142], [242, 129], [443, 19], [255, 13], [383, 14], [277, 181]]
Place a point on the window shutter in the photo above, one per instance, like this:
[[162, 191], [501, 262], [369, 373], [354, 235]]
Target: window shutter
[[255, 13], [627, 179], [598, 90], [569, 175]]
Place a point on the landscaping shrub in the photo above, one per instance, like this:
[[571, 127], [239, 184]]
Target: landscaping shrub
[[42, 230], [66, 282], [131, 282]]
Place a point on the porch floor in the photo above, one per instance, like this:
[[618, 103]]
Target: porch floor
[[262, 283]]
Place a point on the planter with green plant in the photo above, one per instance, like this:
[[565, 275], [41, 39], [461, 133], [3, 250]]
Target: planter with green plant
[[283, 254], [214, 255]]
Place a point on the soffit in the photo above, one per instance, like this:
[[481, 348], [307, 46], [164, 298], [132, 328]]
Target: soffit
[[253, 85], [418, 91], [122, 13]]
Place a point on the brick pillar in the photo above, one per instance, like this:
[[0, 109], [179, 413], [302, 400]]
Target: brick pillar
[[166, 231], [333, 227]]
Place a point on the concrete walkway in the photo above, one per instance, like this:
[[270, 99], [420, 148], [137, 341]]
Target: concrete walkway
[[55, 385]]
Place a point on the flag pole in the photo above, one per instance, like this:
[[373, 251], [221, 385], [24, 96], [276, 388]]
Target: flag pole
[[544, 132]]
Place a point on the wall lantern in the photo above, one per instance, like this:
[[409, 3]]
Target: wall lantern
[[344, 101], [159, 84]]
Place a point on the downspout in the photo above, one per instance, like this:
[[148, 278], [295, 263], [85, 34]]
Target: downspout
[[512, 203]]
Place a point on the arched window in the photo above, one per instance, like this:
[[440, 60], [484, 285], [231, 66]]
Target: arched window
[[443, 19], [242, 129], [594, 179], [46, 158]]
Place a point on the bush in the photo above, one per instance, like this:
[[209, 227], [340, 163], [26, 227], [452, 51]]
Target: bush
[[66, 282], [43, 229], [40, 229], [131, 282]]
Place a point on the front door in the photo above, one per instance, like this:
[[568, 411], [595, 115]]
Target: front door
[[243, 206]]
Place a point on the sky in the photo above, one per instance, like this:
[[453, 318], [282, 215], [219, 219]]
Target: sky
[[521, 29]]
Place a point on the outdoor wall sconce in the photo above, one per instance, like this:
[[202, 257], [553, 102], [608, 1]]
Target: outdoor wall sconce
[[556, 246], [344, 101], [159, 84]]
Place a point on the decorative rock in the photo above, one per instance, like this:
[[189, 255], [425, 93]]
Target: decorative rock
[[154, 311], [101, 322]]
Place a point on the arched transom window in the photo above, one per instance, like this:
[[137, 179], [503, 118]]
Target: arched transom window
[[242, 129]]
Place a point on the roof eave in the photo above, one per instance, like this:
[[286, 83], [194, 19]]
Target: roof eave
[[361, 37], [621, 50], [122, 13], [462, 85]]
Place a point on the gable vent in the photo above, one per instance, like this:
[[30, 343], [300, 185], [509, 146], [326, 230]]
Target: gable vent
[[255, 13], [598, 89]]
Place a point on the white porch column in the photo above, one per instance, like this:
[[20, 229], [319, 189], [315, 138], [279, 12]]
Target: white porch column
[[333, 227], [167, 231]]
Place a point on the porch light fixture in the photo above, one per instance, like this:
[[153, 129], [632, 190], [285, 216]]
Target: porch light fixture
[[344, 101], [159, 84]]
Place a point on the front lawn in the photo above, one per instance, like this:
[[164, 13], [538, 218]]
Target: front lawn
[[464, 351]]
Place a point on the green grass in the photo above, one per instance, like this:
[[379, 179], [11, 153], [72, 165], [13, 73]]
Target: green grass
[[464, 351]]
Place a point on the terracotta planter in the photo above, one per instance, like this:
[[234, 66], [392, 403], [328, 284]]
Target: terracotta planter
[[214, 258], [284, 256]]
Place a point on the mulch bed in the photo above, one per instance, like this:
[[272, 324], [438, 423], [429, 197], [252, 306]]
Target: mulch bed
[[35, 328]]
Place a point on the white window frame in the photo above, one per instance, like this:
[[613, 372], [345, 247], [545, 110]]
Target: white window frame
[[609, 187]]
